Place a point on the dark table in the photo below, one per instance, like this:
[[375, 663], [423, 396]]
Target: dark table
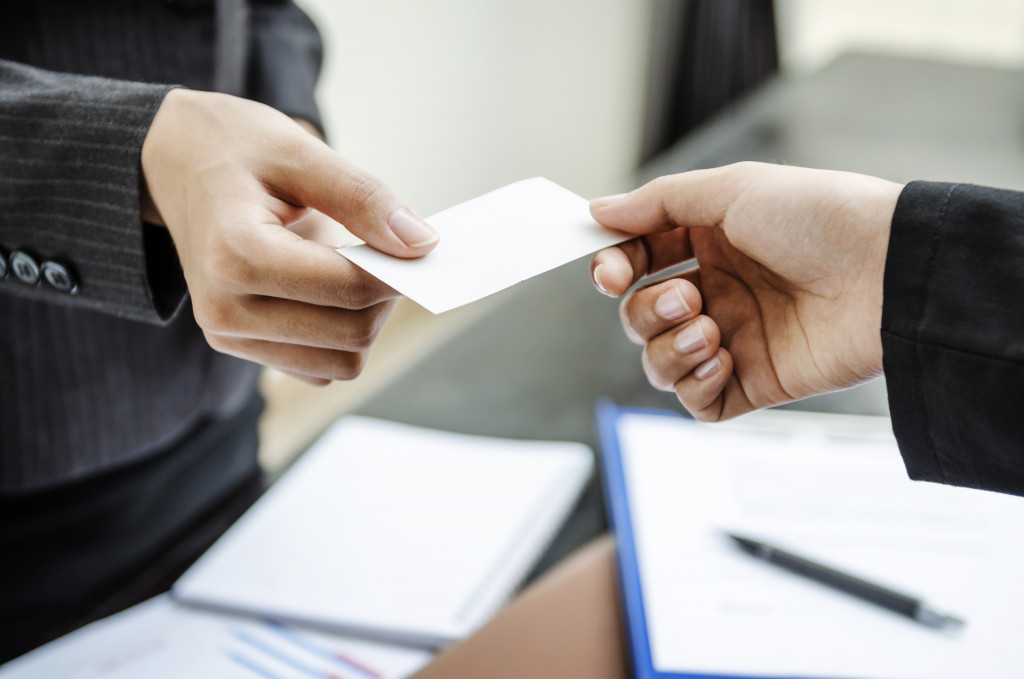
[[534, 365]]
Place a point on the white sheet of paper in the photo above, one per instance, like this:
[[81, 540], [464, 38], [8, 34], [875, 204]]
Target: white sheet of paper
[[491, 243], [835, 492], [160, 639], [394, 532]]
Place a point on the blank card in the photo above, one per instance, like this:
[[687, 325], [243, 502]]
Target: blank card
[[491, 243]]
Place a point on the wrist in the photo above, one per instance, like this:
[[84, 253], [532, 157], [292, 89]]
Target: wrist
[[879, 219], [151, 155]]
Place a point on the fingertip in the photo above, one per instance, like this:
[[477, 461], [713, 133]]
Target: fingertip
[[610, 280], [598, 283], [611, 272], [415, 234], [675, 301]]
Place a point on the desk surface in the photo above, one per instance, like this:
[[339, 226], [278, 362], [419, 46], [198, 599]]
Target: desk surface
[[535, 364]]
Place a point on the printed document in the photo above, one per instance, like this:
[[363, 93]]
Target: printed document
[[832, 489]]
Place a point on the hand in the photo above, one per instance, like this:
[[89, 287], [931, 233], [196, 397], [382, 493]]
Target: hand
[[228, 177], [789, 282]]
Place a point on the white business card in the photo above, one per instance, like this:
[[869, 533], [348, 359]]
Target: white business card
[[492, 242]]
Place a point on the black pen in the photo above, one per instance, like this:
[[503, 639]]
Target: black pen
[[903, 604]]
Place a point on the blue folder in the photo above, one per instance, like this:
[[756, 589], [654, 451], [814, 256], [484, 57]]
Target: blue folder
[[630, 587]]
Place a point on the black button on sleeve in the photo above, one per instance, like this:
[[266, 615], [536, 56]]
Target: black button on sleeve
[[25, 267], [60, 277]]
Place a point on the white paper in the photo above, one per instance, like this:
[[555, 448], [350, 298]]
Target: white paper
[[395, 532], [491, 243], [840, 499], [159, 639]]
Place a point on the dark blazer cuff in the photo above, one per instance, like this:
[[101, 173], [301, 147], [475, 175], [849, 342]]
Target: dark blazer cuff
[[164, 277], [952, 329], [71, 154]]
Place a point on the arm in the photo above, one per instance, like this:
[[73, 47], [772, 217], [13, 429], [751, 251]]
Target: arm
[[794, 266], [70, 175], [259, 290]]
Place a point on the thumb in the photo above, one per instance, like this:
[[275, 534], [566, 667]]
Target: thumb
[[691, 199], [320, 178]]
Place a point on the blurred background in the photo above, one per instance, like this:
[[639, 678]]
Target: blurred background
[[448, 99]]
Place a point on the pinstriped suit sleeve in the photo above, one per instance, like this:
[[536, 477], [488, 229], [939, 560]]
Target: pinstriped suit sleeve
[[69, 188]]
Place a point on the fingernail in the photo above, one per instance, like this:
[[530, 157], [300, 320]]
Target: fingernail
[[691, 339], [412, 230], [707, 368], [671, 306], [597, 280], [606, 201]]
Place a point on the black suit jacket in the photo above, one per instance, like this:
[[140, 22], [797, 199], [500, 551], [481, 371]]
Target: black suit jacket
[[953, 334], [126, 443], [117, 372]]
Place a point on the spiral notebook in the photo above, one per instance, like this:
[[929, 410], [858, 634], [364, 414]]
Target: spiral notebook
[[393, 532]]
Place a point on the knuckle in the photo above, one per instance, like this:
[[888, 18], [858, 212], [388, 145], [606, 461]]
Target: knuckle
[[699, 411], [222, 344], [230, 269], [662, 184], [216, 342], [293, 150], [349, 365], [652, 371], [362, 335], [358, 294], [361, 292], [214, 318], [702, 414], [744, 168], [365, 192], [703, 406], [631, 307], [626, 317]]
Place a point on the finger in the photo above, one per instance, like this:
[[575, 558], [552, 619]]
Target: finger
[[312, 362], [312, 174], [672, 355], [650, 311], [703, 391], [281, 320], [268, 260], [614, 269], [691, 199], [627, 263]]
